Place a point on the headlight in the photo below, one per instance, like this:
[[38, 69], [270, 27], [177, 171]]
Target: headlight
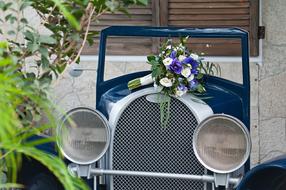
[[222, 143], [83, 135]]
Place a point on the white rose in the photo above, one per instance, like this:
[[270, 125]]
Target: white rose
[[167, 61], [169, 47], [181, 58], [194, 56], [180, 93], [186, 72], [166, 82], [190, 66], [191, 78]]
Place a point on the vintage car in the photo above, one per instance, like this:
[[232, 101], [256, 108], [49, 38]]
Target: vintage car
[[120, 145]]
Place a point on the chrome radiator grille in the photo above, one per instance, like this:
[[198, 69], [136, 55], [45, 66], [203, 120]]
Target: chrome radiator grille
[[141, 144]]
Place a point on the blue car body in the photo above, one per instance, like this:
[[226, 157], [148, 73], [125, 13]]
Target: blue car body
[[270, 175], [223, 96]]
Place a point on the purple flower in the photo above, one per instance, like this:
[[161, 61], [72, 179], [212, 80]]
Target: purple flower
[[190, 60], [193, 84], [182, 87], [176, 66], [194, 71], [187, 52], [173, 54]]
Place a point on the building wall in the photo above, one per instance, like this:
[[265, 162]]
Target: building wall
[[272, 77]]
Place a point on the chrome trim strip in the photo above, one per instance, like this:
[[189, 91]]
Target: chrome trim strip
[[203, 178]]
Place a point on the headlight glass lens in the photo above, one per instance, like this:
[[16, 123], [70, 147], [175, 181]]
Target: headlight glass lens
[[83, 136], [222, 143]]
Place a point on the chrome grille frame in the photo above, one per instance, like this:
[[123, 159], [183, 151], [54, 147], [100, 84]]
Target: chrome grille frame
[[199, 110]]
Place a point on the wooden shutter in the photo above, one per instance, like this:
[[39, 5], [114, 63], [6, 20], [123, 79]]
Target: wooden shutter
[[184, 13], [140, 16], [216, 13]]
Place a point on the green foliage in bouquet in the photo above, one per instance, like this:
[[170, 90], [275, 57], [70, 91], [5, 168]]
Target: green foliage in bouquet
[[175, 72]]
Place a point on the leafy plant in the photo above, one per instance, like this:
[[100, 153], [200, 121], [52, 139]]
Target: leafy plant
[[29, 60], [18, 99]]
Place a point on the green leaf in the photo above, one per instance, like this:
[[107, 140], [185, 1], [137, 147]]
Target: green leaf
[[75, 36], [47, 40], [25, 4], [143, 2], [53, 164], [154, 62], [11, 32], [156, 70], [184, 40], [90, 41], [112, 5], [2, 4], [151, 58], [71, 19], [44, 51], [5, 6], [201, 88], [200, 76], [29, 35], [125, 11], [61, 68], [4, 62], [31, 75], [32, 47], [3, 44], [7, 17], [11, 18], [24, 21], [45, 62]]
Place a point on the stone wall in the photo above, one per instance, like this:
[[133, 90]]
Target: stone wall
[[272, 77]]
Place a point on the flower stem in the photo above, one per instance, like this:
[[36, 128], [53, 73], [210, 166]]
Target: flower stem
[[133, 84], [136, 83]]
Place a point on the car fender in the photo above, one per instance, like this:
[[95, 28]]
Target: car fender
[[270, 175]]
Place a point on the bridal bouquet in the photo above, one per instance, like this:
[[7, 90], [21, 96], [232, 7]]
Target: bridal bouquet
[[175, 71]]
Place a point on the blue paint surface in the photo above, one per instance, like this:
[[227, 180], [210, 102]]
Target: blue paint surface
[[226, 96], [219, 98], [270, 175]]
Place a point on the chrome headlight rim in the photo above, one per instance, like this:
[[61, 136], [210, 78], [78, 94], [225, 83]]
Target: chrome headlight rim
[[61, 124], [245, 132]]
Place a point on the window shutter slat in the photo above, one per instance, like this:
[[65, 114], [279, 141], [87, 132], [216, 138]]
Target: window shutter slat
[[213, 5], [183, 13], [215, 13], [204, 11], [140, 16]]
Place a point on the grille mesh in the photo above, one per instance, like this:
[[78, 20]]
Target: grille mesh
[[141, 144]]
